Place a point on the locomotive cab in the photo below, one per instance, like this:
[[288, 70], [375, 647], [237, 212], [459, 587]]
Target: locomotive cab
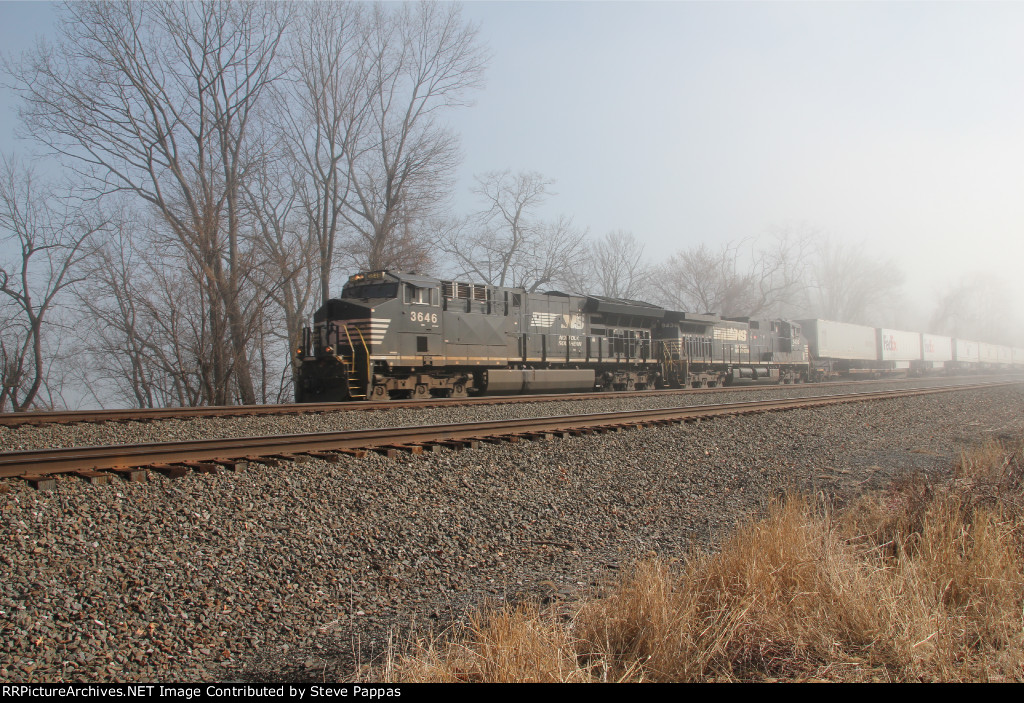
[[336, 355]]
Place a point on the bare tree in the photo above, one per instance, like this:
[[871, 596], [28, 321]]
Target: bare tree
[[157, 100], [780, 270], [322, 111], [51, 237], [287, 275], [549, 260], [978, 306], [507, 244], [615, 267], [149, 344], [849, 285], [739, 279], [370, 86], [422, 59], [703, 280], [120, 347], [488, 245]]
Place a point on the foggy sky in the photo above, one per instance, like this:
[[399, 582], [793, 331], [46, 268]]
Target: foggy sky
[[900, 124]]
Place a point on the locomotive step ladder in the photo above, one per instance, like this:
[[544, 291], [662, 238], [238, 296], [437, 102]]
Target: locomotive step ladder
[[356, 389]]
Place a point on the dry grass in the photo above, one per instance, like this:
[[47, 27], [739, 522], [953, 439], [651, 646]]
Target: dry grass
[[523, 644], [923, 582]]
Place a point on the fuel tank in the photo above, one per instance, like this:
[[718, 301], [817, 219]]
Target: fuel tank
[[510, 382]]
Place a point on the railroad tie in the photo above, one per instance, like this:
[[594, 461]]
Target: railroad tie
[[329, 457], [203, 467], [458, 444], [393, 451], [293, 458], [40, 482], [265, 460], [431, 447], [232, 464], [170, 470], [97, 478], [537, 436], [132, 475], [494, 439]]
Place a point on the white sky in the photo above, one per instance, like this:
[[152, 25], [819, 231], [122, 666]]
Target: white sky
[[900, 124]]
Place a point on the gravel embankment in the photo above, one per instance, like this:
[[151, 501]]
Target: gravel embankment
[[82, 435], [300, 572]]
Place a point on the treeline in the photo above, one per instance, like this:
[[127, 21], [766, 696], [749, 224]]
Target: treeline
[[224, 162], [226, 165]]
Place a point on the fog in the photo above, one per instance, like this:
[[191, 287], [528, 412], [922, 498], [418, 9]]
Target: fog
[[892, 124], [895, 126]]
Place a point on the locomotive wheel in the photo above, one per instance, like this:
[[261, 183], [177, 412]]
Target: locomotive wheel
[[459, 391], [380, 393], [421, 392]]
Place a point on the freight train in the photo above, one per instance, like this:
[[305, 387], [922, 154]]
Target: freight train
[[402, 335]]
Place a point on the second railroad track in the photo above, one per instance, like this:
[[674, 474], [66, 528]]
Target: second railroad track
[[131, 461]]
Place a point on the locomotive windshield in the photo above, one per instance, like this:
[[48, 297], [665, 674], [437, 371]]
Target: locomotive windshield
[[371, 290]]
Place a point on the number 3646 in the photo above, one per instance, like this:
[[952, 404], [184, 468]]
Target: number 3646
[[424, 317]]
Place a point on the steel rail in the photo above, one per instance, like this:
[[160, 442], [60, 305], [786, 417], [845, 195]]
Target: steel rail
[[49, 461], [54, 417], [151, 414]]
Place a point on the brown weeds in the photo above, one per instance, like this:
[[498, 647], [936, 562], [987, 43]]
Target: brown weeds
[[922, 582]]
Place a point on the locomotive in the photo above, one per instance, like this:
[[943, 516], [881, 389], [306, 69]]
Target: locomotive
[[402, 335]]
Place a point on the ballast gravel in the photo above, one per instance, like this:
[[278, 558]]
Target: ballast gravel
[[307, 571], [93, 434]]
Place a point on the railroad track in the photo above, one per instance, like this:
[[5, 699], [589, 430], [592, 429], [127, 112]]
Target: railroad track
[[61, 417], [132, 461]]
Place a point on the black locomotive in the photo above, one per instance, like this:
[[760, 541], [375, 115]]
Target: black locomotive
[[394, 334]]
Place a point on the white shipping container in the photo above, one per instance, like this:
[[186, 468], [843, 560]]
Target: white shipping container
[[1004, 355], [965, 351], [898, 345], [987, 353], [935, 347], [840, 340], [1018, 356]]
